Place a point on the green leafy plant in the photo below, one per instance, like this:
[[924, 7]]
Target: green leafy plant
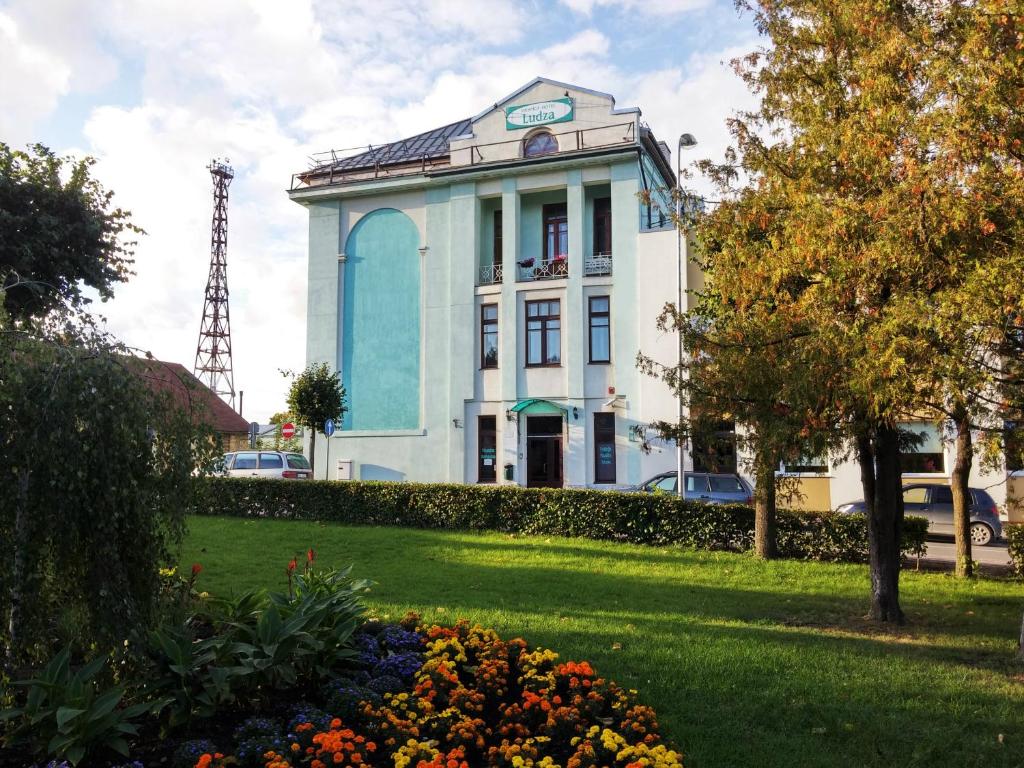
[[239, 651], [69, 714], [1014, 534], [640, 518]]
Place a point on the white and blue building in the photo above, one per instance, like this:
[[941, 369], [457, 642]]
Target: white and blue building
[[485, 287]]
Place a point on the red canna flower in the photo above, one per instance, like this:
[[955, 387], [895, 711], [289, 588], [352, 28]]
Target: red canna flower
[[196, 568], [310, 555], [292, 565]]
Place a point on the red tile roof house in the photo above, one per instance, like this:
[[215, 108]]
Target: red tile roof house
[[191, 394]]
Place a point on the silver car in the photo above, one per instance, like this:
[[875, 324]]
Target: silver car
[[703, 486], [273, 464], [935, 504]]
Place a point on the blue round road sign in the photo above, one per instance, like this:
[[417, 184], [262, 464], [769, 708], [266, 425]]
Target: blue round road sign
[[329, 427]]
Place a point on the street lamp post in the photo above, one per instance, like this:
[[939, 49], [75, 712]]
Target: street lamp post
[[686, 141]]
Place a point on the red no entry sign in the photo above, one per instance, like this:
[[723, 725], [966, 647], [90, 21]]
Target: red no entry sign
[[287, 430]]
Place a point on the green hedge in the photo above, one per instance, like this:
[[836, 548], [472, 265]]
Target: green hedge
[[1014, 533], [640, 518]]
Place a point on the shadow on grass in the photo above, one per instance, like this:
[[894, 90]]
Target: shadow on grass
[[767, 668]]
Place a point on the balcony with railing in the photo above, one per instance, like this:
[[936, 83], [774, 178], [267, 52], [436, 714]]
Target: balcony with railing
[[489, 274], [538, 269], [597, 265]]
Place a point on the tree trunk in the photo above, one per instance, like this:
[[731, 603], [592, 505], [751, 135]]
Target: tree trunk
[[1020, 643], [962, 495], [765, 545], [885, 524]]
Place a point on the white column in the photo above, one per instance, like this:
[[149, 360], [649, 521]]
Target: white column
[[574, 336], [508, 329]]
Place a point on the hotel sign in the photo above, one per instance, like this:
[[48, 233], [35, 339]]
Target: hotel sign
[[538, 113]]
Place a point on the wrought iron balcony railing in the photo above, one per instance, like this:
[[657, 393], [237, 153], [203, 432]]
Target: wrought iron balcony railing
[[597, 264], [533, 269], [490, 274]]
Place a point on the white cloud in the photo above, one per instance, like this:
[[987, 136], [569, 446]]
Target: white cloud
[[268, 83], [697, 99], [644, 7], [32, 83]]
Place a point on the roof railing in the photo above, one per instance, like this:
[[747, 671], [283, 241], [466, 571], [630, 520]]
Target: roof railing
[[324, 170]]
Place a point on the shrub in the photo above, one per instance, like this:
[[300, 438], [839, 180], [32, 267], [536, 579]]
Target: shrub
[[1014, 534], [88, 514], [640, 518], [72, 714]]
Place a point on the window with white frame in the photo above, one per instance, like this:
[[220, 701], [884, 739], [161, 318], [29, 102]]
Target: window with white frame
[[922, 452]]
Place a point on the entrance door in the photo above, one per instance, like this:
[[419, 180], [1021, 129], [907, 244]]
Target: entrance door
[[544, 451]]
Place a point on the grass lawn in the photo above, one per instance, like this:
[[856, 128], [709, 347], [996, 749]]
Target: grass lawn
[[747, 663]]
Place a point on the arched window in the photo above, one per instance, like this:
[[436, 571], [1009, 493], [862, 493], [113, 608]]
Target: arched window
[[542, 143]]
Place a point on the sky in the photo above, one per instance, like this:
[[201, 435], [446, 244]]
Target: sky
[[153, 89]]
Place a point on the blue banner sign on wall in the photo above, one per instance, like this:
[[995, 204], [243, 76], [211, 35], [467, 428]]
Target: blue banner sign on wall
[[538, 113]]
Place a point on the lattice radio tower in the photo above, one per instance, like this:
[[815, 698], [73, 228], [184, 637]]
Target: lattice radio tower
[[213, 352]]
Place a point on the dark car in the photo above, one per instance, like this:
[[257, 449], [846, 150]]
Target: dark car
[[703, 486], [935, 504]]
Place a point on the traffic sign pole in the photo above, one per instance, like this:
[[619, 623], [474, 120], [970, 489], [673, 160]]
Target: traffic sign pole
[[328, 431]]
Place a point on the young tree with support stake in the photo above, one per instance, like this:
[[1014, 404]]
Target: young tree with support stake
[[316, 395]]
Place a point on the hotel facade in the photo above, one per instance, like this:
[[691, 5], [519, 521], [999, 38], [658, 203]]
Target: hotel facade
[[484, 289]]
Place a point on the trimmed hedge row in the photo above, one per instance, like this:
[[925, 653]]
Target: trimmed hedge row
[[640, 518], [1014, 534]]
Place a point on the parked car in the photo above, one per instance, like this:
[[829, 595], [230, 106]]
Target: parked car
[[703, 486], [935, 504], [275, 464]]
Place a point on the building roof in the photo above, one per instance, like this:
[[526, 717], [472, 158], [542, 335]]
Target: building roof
[[191, 394], [426, 145], [431, 149]]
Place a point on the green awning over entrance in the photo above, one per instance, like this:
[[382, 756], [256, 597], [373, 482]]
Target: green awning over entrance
[[538, 407]]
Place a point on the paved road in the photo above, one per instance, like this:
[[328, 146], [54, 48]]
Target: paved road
[[943, 550]]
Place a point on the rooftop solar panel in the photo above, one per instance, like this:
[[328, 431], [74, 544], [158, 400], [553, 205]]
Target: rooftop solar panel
[[430, 144]]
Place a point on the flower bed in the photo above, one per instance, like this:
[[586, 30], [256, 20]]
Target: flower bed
[[450, 697]]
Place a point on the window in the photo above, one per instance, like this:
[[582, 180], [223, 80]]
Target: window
[[496, 255], [245, 461], [725, 484], [695, 484], [714, 447], [489, 336], [604, 447], [487, 448], [271, 461], [806, 465], [543, 333], [600, 330], [923, 452], [556, 235], [665, 484], [603, 225], [297, 461], [1013, 445], [542, 143], [917, 494], [942, 494]]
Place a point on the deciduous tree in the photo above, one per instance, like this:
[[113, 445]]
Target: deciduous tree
[[316, 395], [58, 233]]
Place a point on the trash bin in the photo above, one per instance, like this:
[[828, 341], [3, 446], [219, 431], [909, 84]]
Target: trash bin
[[510, 472]]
